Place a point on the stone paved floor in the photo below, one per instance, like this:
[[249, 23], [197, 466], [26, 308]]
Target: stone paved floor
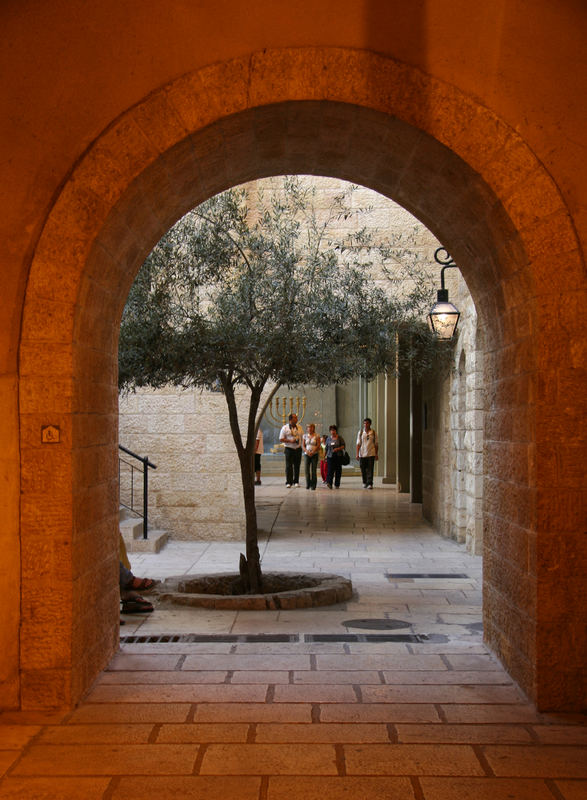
[[434, 719]]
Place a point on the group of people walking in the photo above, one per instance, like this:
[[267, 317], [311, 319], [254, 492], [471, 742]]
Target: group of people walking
[[329, 451]]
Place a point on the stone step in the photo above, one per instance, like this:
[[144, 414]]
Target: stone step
[[126, 513], [132, 533], [131, 528], [156, 541]]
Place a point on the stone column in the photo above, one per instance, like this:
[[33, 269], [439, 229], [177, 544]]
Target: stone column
[[388, 435], [416, 440], [403, 433]]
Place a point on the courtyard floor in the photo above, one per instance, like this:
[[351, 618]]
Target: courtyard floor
[[390, 695]]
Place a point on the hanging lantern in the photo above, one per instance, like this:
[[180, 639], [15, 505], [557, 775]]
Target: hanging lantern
[[443, 317]]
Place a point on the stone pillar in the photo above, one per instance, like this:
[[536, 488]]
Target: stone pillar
[[403, 433], [388, 444], [380, 422], [416, 440]]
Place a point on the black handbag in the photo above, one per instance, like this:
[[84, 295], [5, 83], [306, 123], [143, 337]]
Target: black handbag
[[346, 459]]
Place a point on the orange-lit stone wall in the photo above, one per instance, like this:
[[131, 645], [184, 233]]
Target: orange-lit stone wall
[[117, 119]]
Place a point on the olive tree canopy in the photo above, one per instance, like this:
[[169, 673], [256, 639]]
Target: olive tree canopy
[[258, 296]]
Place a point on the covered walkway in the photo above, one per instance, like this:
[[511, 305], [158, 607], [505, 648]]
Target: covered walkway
[[391, 695]]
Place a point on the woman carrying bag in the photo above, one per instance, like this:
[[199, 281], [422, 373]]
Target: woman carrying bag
[[335, 447]]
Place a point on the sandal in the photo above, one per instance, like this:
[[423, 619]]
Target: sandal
[[142, 584], [136, 605]]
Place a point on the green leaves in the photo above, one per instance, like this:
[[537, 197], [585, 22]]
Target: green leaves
[[265, 289], [256, 287]]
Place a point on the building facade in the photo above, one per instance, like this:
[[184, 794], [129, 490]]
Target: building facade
[[470, 117]]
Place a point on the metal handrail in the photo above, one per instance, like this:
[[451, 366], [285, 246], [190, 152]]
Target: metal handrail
[[146, 465]]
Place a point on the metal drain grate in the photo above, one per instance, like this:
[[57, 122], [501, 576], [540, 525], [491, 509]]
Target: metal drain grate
[[307, 637], [439, 575], [202, 638], [413, 638]]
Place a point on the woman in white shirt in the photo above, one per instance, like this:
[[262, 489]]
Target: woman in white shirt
[[311, 446]]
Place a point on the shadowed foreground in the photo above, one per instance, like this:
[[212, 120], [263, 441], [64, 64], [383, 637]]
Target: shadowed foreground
[[308, 703]]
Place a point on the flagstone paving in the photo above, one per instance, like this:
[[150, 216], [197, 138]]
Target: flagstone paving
[[240, 715]]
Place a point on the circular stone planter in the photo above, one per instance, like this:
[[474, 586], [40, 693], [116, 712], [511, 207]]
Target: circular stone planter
[[282, 590]]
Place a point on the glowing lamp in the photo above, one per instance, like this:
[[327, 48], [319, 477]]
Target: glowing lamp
[[443, 317]]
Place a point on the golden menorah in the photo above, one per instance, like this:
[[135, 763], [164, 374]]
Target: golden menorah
[[278, 411]]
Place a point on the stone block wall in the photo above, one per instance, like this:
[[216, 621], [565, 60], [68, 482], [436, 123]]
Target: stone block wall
[[196, 490], [453, 436]]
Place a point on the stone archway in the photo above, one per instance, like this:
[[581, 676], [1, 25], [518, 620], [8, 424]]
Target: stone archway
[[345, 114]]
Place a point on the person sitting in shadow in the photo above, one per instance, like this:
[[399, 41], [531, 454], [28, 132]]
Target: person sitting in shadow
[[130, 599]]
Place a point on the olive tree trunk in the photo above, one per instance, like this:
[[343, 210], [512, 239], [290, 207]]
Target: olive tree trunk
[[250, 564]]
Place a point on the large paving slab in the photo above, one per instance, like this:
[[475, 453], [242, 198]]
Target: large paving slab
[[227, 710]]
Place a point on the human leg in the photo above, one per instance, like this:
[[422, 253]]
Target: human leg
[[337, 472], [125, 577], [289, 470], [129, 583], [307, 464], [363, 465], [369, 470], [330, 473], [297, 460], [311, 471], [131, 601]]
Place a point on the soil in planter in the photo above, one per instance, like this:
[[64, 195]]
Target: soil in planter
[[231, 584], [280, 590]]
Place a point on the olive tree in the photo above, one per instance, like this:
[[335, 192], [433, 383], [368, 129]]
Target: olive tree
[[254, 295]]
